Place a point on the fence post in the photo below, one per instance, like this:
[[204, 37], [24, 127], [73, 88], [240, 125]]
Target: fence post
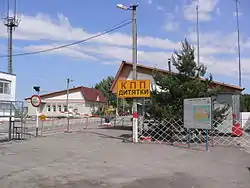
[[22, 127], [212, 135], [189, 139], [86, 122], [10, 121], [206, 139], [171, 132], [135, 127]]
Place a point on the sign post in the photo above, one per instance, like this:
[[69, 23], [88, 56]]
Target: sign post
[[133, 89], [42, 118], [36, 102], [198, 115]]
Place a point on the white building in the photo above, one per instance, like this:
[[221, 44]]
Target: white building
[[82, 100], [7, 94]]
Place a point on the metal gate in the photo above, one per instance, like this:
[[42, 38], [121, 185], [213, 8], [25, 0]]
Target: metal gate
[[13, 121]]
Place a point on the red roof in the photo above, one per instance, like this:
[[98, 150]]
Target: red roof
[[90, 94]]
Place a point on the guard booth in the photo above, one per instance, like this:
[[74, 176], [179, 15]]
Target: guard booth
[[233, 114], [12, 120]]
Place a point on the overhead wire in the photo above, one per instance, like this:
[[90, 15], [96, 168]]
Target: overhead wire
[[111, 29]]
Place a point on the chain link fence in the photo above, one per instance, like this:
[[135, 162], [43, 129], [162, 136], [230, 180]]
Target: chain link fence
[[172, 131], [57, 125]]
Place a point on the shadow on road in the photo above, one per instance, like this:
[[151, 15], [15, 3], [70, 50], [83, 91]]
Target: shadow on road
[[125, 128]]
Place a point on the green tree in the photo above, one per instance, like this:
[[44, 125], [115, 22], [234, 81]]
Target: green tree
[[245, 103], [105, 85], [185, 83]]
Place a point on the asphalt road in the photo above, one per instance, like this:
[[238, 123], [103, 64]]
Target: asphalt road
[[96, 158]]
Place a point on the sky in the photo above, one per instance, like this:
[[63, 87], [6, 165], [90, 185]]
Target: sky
[[162, 25]]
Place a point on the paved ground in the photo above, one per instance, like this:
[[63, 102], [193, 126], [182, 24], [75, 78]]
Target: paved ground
[[91, 159]]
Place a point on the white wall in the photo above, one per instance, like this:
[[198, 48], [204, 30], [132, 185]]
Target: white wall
[[5, 107], [245, 116], [143, 76], [12, 79], [76, 101]]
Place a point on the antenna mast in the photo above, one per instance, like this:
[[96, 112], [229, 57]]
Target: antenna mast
[[11, 21], [238, 34], [198, 33]]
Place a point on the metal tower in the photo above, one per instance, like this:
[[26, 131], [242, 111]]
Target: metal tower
[[11, 21]]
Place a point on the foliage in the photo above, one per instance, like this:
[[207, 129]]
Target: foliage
[[186, 83], [245, 103], [105, 85]]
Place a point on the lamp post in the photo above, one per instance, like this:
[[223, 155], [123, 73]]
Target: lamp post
[[133, 8], [67, 104]]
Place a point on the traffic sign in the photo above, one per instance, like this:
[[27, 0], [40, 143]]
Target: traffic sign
[[133, 88], [43, 117], [36, 100]]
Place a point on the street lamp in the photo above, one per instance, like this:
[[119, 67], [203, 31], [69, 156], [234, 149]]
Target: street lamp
[[133, 8]]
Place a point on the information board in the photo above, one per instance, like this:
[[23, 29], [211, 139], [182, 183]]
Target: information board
[[198, 113]]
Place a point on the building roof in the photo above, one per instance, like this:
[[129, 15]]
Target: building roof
[[124, 63], [2, 72], [90, 94]]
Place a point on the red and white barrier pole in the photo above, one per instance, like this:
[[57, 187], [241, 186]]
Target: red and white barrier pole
[[135, 127]]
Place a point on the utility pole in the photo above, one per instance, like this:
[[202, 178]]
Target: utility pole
[[134, 31], [169, 65], [238, 32], [11, 22], [133, 8], [67, 103], [198, 33]]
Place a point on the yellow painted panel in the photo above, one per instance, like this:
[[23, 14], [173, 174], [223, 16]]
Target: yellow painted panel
[[133, 88]]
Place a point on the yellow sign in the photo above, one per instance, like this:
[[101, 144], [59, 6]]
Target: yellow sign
[[133, 88], [43, 117]]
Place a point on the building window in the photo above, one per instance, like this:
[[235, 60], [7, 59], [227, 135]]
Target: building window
[[54, 108], [5, 108], [65, 108], [48, 108], [59, 108], [4, 87]]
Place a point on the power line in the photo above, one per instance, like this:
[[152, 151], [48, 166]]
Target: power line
[[115, 27]]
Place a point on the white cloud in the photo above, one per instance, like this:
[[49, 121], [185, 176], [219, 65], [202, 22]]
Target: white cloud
[[150, 2], [69, 51], [171, 24], [239, 14], [218, 11], [42, 27], [159, 8], [206, 7], [112, 48], [215, 42], [177, 9]]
